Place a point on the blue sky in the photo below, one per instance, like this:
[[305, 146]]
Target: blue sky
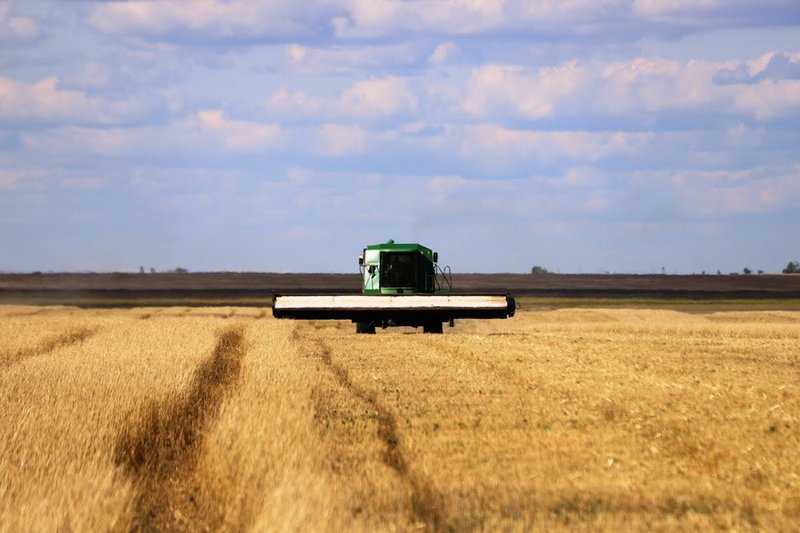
[[581, 135]]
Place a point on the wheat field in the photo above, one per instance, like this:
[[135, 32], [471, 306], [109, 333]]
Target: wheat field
[[225, 419]]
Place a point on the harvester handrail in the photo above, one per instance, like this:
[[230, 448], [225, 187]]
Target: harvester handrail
[[446, 276]]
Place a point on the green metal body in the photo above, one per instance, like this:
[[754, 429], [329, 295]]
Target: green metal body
[[395, 268]]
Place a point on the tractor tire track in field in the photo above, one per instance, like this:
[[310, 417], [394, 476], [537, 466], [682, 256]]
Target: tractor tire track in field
[[427, 503], [50, 344], [20, 314], [147, 316], [160, 446]]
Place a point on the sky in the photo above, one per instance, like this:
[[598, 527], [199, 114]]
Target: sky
[[636, 136]]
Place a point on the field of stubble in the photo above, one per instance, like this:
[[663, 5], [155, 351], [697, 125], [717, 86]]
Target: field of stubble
[[223, 418]]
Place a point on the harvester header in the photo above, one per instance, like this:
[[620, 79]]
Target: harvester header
[[402, 285]]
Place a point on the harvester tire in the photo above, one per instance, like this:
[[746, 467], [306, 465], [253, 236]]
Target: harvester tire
[[365, 327], [433, 327]]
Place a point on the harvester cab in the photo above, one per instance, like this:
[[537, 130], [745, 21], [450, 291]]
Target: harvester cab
[[392, 268], [402, 285]]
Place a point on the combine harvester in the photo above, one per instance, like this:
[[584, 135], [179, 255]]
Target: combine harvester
[[402, 285]]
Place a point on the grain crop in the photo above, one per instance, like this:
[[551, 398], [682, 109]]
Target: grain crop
[[222, 418]]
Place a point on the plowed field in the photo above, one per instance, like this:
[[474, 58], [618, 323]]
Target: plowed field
[[224, 418]]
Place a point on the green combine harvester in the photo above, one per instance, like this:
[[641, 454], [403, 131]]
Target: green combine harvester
[[402, 285]]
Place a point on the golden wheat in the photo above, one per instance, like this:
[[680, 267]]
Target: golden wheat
[[225, 419]]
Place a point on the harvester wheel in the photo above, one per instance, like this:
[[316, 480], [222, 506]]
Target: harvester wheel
[[365, 327], [432, 327]]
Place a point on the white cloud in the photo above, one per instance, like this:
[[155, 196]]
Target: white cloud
[[525, 93], [643, 84], [583, 176], [340, 140], [310, 60], [386, 96], [548, 145], [772, 65], [228, 20], [658, 9], [442, 184], [15, 29], [74, 140], [41, 100], [313, 21], [596, 203], [717, 13], [769, 99], [370, 18], [93, 75], [721, 193], [373, 98], [616, 20], [21, 179], [442, 53], [84, 183], [299, 104], [640, 88], [45, 100], [205, 132], [162, 181], [238, 135]]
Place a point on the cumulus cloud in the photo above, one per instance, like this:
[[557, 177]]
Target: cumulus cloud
[[781, 66], [722, 193], [237, 135], [772, 66], [77, 140], [769, 99], [447, 183], [658, 86], [315, 60], [365, 99], [233, 21], [93, 75], [654, 85], [717, 13], [205, 133], [288, 105], [371, 18], [42, 100], [492, 140], [442, 53], [21, 179], [16, 29], [45, 100], [616, 20], [584, 176], [640, 89], [285, 21], [521, 91], [452, 198], [386, 96], [340, 140], [655, 8]]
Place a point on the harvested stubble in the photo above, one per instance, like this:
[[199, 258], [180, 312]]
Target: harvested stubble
[[222, 418]]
